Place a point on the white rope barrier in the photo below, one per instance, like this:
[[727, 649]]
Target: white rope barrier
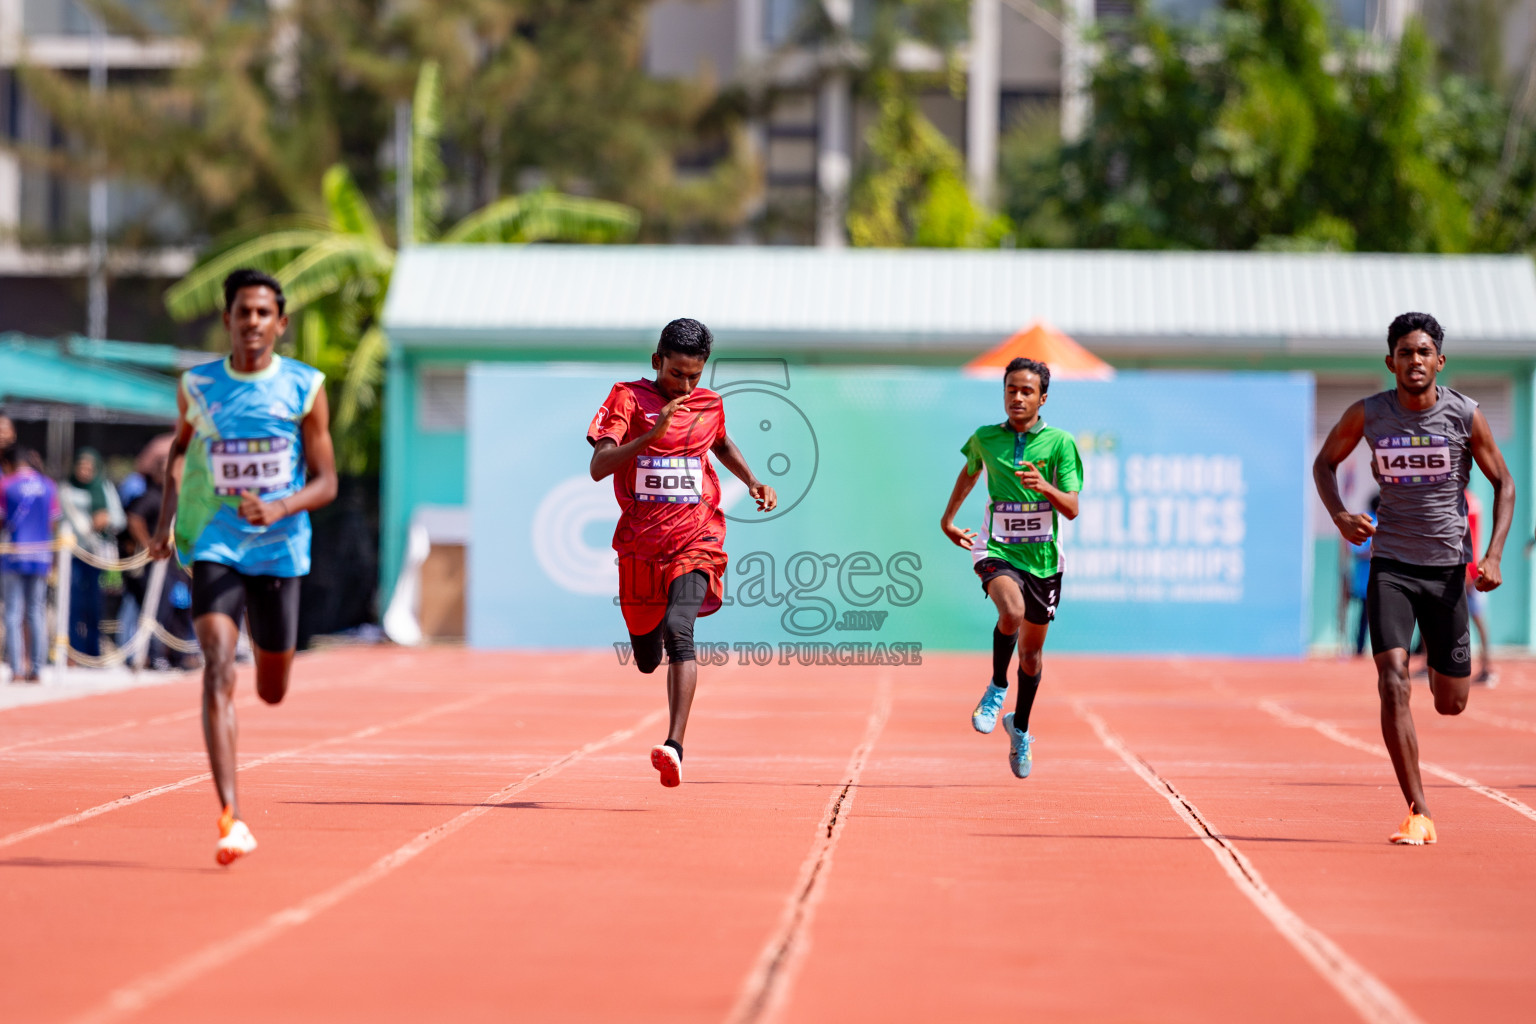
[[85, 555]]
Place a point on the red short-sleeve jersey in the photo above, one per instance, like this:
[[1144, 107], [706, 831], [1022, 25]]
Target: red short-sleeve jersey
[[670, 521]]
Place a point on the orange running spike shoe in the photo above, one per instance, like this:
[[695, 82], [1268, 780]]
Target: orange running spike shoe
[[235, 839], [1416, 830]]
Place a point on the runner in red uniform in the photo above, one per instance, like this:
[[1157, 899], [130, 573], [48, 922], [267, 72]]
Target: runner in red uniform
[[655, 438]]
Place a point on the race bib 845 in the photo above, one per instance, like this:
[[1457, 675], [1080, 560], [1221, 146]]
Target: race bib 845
[[1413, 459], [673, 479], [260, 464]]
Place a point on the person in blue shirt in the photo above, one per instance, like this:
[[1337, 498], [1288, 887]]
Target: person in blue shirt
[[252, 456], [29, 510]]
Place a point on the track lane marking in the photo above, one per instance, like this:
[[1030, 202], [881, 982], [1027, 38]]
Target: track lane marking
[[1333, 732], [1370, 997], [766, 989], [281, 755], [150, 988], [1517, 724]]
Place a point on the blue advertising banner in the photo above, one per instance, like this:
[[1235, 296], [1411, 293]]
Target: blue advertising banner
[[1191, 537]]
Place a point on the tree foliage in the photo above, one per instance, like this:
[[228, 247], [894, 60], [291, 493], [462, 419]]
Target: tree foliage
[[543, 93], [335, 271], [1261, 127]]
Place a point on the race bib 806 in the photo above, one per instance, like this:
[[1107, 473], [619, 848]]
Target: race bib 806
[[673, 479], [1021, 522], [1420, 459], [259, 464]]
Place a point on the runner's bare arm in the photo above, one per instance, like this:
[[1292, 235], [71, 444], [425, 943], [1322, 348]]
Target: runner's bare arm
[[320, 484], [962, 490], [160, 543], [1340, 442], [731, 458], [608, 456], [1491, 461], [1064, 502]]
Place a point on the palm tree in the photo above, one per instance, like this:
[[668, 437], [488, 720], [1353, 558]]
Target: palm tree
[[335, 270]]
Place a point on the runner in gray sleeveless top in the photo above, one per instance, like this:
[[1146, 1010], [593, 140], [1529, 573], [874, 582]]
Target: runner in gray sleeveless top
[[1423, 439]]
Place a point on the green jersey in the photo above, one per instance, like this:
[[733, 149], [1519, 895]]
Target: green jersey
[[1021, 524]]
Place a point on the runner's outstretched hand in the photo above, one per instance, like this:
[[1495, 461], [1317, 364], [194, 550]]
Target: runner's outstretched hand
[[1356, 528], [664, 418], [1488, 575], [766, 496], [962, 538], [260, 513]]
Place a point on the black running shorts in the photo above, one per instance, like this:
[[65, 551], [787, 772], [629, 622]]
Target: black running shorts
[[1040, 595], [1434, 596], [270, 604]]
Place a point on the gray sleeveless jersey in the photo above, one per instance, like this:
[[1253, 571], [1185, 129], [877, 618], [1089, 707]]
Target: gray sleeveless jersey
[[1422, 461]]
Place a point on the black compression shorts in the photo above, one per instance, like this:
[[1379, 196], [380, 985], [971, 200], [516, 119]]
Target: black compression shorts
[[1040, 595], [1435, 596], [674, 633], [270, 604]]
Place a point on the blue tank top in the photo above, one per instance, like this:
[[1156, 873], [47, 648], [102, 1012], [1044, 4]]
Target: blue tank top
[[246, 437]]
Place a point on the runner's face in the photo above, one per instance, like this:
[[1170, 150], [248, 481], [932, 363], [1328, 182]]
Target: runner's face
[[676, 374], [254, 325], [1415, 362], [1022, 398]]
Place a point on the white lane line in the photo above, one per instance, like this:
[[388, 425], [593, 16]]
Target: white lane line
[[1370, 997], [1517, 724], [766, 989], [153, 987], [1338, 735], [191, 780]]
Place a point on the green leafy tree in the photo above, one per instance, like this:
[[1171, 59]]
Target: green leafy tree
[[335, 270], [1258, 127], [910, 188], [544, 93]]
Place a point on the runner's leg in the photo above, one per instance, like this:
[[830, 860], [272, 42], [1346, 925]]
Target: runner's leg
[[1391, 619], [272, 620], [218, 599], [1031, 667], [684, 598]]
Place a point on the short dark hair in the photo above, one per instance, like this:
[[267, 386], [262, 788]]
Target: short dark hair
[[686, 338], [11, 454], [1035, 367], [246, 277], [1407, 323]]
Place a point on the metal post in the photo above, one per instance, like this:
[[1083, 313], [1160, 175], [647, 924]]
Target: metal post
[[405, 173], [96, 315], [981, 99], [1075, 60], [151, 612], [834, 160], [62, 564]]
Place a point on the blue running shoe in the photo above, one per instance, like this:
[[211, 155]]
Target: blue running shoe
[[984, 718], [1020, 757]]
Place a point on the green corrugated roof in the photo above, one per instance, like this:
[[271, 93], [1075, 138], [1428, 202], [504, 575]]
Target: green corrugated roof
[[933, 299], [32, 369]]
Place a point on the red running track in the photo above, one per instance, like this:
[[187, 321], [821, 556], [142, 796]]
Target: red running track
[[452, 835]]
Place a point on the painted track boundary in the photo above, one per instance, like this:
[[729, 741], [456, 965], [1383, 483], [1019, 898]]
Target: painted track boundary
[[1367, 994]]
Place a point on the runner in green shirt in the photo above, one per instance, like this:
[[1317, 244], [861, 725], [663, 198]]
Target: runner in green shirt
[[1033, 473]]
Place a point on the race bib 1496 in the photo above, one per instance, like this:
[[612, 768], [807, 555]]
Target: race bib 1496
[[674, 479], [1420, 459], [1021, 522], [259, 464]]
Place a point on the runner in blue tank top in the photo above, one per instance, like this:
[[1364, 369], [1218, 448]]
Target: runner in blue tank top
[[252, 456], [1423, 439]]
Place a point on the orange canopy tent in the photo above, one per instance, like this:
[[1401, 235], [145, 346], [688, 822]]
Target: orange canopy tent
[[1040, 341]]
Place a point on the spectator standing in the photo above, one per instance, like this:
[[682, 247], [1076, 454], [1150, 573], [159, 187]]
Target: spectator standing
[[93, 513], [29, 508]]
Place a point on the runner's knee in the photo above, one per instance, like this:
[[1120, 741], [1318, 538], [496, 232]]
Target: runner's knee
[[1450, 699], [677, 634], [1392, 684]]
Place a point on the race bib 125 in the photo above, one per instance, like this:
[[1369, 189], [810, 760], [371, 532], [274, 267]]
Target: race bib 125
[[1420, 459], [1021, 522], [260, 464], [674, 479]]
